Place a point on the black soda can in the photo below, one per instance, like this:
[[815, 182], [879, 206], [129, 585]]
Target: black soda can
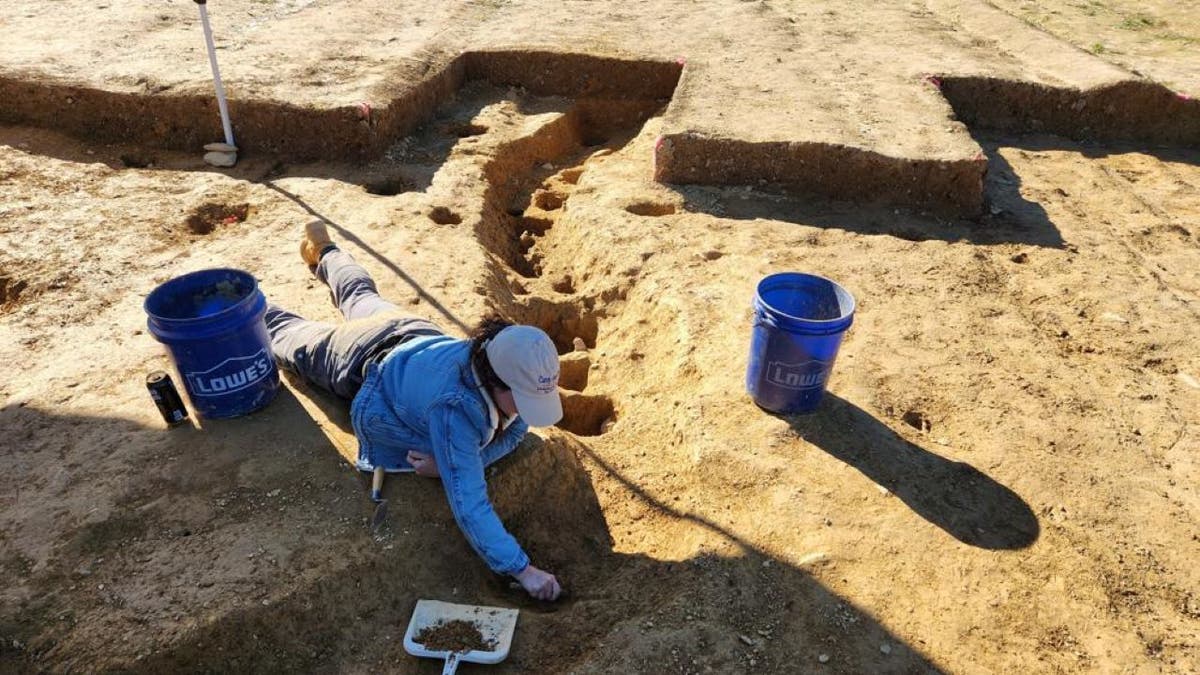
[[165, 396]]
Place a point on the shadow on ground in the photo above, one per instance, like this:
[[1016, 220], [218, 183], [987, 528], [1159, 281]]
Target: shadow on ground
[[1008, 217], [955, 496], [340, 600]]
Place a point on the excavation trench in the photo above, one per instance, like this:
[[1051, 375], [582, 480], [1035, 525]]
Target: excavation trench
[[617, 93], [528, 185], [295, 133]]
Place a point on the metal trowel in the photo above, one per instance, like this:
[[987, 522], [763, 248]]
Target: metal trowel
[[496, 625], [377, 497]]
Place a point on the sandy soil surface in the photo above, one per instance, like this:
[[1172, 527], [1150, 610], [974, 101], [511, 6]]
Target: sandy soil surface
[[1003, 474], [1159, 40]]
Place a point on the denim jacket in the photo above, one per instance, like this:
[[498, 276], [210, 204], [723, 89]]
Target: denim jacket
[[424, 396]]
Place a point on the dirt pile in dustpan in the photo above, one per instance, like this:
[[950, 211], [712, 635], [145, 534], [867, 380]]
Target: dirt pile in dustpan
[[454, 636]]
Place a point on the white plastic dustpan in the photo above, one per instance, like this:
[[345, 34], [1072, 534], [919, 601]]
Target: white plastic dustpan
[[495, 624]]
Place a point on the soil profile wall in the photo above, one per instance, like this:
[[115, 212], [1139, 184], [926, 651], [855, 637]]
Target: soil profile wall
[[833, 171], [354, 131], [1124, 111]]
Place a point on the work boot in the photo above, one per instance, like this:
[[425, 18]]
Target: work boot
[[316, 241]]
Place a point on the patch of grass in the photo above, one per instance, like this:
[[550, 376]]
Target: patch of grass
[[1140, 22], [1097, 48], [1090, 8]]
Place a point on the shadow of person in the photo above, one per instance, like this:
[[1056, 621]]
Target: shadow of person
[[141, 511], [955, 496], [623, 612]]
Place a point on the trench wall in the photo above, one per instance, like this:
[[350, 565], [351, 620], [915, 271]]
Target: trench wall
[[296, 133], [613, 93]]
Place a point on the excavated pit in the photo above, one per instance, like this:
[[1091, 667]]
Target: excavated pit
[[11, 289], [388, 185], [585, 415], [444, 216], [529, 181]]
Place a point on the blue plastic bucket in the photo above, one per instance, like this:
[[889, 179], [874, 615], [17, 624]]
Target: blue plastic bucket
[[799, 321], [211, 322]]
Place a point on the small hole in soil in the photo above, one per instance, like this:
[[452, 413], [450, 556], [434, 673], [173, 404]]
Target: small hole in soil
[[387, 186], [136, 161], [548, 201], [466, 129], [11, 289], [536, 226], [526, 242], [917, 420], [209, 215], [650, 209], [571, 176], [712, 255], [444, 216], [564, 285], [563, 321], [564, 331], [587, 415], [909, 234], [535, 265], [526, 269]]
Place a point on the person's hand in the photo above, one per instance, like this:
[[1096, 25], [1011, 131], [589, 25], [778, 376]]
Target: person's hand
[[539, 584], [425, 464]]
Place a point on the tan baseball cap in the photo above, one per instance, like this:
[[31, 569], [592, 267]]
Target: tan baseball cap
[[525, 359]]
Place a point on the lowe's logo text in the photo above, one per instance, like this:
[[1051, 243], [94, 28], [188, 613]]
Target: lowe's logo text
[[804, 375], [231, 375]]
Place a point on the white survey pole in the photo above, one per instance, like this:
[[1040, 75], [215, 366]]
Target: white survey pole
[[212, 59]]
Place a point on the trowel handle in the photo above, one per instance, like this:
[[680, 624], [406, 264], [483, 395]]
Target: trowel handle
[[451, 663], [377, 485], [201, 2]]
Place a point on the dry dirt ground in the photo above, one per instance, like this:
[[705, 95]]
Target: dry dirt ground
[[1003, 475]]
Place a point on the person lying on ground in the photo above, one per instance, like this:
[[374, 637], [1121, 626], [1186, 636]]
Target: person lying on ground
[[423, 401]]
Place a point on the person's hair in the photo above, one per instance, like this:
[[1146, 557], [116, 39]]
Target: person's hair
[[487, 329]]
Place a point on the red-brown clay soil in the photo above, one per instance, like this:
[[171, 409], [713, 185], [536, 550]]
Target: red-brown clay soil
[[1003, 474]]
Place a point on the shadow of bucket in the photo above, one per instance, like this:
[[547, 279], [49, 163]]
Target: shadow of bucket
[[211, 322], [799, 321]]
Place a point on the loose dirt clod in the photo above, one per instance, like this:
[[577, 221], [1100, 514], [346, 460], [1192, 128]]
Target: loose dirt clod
[[454, 636], [444, 216], [209, 215]]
